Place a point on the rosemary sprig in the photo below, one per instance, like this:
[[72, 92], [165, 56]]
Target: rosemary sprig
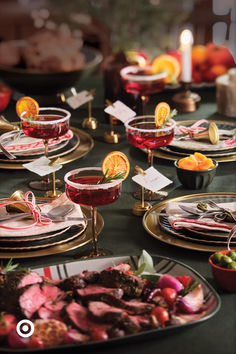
[[10, 267], [172, 114], [188, 288], [108, 178]]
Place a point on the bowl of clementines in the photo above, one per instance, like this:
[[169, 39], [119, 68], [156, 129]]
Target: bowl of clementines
[[196, 171]]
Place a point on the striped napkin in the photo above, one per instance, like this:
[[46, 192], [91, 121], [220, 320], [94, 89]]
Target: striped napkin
[[179, 219]]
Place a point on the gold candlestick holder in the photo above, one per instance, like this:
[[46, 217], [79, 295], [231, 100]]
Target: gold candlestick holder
[[186, 100], [54, 192], [90, 122], [140, 208], [111, 137]]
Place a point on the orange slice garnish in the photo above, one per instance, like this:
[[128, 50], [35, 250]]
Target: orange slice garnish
[[28, 105], [169, 64], [162, 111], [116, 162]]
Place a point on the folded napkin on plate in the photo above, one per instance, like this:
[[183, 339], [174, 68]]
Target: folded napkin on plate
[[179, 219], [40, 229]]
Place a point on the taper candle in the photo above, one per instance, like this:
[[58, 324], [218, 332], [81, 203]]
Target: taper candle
[[186, 41]]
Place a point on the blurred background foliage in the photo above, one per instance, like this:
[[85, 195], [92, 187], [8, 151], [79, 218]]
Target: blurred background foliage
[[150, 25]]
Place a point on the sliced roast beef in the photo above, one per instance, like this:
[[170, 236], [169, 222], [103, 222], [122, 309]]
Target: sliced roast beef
[[21, 278], [78, 318], [55, 305], [145, 321], [29, 279], [46, 314], [114, 278], [72, 283], [91, 277], [77, 315], [31, 300], [131, 307], [51, 292], [102, 312], [95, 292]]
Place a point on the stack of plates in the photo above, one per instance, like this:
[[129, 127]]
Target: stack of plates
[[219, 152], [47, 243], [159, 227], [27, 146], [73, 145]]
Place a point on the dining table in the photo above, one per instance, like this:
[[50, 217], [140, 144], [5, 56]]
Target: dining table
[[124, 233]]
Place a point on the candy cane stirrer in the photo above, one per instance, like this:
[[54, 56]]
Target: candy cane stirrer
[[37, 217]]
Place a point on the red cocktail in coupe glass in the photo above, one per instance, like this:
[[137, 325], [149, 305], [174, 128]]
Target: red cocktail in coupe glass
[[140, 81], [49, 124], [141, 132], [82, 187]]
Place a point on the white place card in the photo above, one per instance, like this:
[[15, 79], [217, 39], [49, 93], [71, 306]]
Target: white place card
[[152, 180], [79, 99], [41, 166], [119, 110]]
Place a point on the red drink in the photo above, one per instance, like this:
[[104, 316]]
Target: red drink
[[149, 139], [140, 81], [38, 128], [89, 196]]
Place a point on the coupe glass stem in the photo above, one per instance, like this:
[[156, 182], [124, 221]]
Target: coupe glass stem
[[94, 233], [45, 141], [150, 157]]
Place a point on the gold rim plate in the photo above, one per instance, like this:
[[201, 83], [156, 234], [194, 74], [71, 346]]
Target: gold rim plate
[[80, 241], [84, 147], [173, 157], [151, 225]]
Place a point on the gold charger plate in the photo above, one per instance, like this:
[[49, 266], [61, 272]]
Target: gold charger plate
[[151, 225], [86, 144], [172, 156], [80, 241]]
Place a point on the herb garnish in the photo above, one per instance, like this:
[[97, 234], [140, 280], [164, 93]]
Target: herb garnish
[[172, 114], [188, 288], [10, 267], [108, 178]]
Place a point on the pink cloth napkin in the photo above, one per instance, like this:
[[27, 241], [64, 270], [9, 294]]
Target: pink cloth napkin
[[39, 228], [179, 219]]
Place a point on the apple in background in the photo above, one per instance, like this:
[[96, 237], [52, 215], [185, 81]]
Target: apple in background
[[5, 96], [219, 55]]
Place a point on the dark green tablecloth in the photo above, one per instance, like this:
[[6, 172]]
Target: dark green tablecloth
[[123, 232]]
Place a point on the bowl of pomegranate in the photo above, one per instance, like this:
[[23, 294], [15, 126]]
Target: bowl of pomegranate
[[196, 171]]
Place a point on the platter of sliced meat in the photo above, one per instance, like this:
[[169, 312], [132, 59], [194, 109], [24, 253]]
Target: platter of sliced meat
[[99, 302]]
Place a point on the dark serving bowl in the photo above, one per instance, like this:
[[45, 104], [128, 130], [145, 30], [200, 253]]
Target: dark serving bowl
[[198, 179], [34, 83]]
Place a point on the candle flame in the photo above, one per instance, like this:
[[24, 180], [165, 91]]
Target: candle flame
[[186, 37]]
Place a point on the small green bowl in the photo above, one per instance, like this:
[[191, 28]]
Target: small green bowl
[[192, 179]]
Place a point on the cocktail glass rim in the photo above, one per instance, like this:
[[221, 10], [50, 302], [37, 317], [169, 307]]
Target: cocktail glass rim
[[60, 120], [128, 126], [124, 72], [89, 186]]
